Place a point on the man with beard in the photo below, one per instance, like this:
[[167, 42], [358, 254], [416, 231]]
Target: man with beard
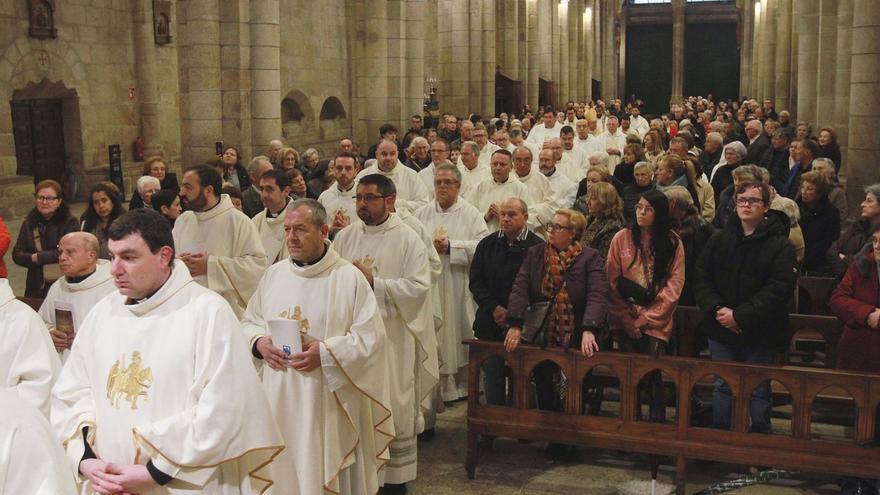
[[218, 244], [338, 199], [411, 192], [393, 259]]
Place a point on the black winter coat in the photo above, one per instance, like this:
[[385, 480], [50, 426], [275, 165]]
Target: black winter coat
[[820, 223], [776, 161], [493, 271], [755, 276], [51, 231]]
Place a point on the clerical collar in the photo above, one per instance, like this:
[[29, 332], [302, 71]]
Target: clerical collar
[[219, 200], [129, 301], [505, 181], [302, 263], [76, 280], [275, 215], [350, 187], [551, 173]]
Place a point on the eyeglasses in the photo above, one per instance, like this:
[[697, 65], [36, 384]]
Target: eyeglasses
[[749, 201], [555, 227], [46, 199], [369, 198]]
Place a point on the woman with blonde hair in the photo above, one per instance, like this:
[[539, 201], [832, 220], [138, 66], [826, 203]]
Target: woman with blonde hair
[[604, 211], [288, 158]]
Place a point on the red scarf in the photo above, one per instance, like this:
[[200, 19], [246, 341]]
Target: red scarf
[[561, 321]]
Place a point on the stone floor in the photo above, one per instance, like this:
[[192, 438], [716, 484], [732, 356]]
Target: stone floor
[[515, 468]]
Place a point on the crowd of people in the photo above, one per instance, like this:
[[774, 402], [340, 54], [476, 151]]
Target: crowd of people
[[582, 228]]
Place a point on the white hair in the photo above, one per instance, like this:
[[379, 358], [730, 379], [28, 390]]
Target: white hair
[[147, 180]]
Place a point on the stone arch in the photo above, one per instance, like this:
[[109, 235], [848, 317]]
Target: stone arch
[[47, 70], [332, 109], [297, 116]]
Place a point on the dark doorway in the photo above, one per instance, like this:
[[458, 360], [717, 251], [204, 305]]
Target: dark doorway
[[508, 94], [38, 129], [546, 93], [596, 89], [711, 61], [649, 65]]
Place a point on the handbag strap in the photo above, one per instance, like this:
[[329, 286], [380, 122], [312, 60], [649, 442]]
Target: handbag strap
[[37, 241]]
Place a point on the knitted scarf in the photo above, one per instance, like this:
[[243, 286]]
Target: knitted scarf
[[560, 323]]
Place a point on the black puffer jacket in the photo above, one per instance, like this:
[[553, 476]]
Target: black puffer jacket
[[755, 276], [820, 222], [50, 231]]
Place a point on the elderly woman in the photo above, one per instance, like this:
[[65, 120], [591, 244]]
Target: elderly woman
[[795, 234], [837, 195], [289, 157], [145, 187], [37, 246], [820, 221], [673, 171], [233, 171], [855, 302], [105, 206], [644, 181], [156, 167], [722, 175], [693, 230], [604, 211], [595, 174], [856, 234], [829, 147], [623, 173], [570, 277]]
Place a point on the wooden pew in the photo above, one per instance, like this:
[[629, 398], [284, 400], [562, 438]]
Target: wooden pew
[[814, 294], [799, 451]]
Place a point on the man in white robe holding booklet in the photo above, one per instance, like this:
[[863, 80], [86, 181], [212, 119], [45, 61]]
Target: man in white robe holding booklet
[[327, 374]]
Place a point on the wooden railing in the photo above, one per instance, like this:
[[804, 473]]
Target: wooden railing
[[801, 450]]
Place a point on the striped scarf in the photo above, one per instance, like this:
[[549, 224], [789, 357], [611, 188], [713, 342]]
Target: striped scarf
[[561, 322]]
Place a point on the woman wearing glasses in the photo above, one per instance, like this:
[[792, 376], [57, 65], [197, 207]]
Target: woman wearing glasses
[[571, 277], [37, 246]]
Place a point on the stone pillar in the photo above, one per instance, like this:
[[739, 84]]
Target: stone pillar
[[842, 78], [572, 46], [808, 51], [827, 68], [522, 29], [677, 51], [265, 73], [795, 50], [534, 47], [864, 108], [371, 67], [145, 70], [757, 55], [782, 77], [203, 103], [235, 76], [487, 62], [621, 60], [768, 74], [609, 62], [413, 30], [588, 14], [747, 13]]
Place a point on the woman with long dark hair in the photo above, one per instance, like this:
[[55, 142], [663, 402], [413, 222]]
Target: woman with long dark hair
[[105, 206], [645, 268]]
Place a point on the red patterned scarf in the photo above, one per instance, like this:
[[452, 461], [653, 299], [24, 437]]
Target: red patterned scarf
[[560, 323]]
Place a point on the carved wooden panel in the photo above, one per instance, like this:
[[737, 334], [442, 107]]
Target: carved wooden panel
[[41, 14]]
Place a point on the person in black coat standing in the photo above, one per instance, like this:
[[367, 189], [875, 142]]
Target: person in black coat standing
[[759, 143], [775, 159], [820, 221], [744, 280], [496, 263]]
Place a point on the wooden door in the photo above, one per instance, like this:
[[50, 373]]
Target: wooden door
[[508, 95], [38, 130]]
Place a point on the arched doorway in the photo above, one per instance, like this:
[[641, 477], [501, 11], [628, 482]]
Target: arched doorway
[[47, 133]]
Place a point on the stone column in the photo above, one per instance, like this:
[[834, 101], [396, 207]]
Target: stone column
[[677, 51], [768, 76], [757, 55], [145, 70], [747, 12], [827, 68], [235, 76], [413, 30], [842, 78], [588, 49], [534, 47], [522, 29], [808, 51], [572, 45], [609, 64], [265, 73], [795, 50], [203, 103], [864, 108], [621, 61], [487, 62], [782, 77], [565, 69]]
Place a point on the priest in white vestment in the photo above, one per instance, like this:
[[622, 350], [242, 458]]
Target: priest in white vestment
[[613, 142], [481, 137], [563, 162], [411, 191], [31, 458], [499, 186], [439, 154], [472, 171], [86, 281], [549, 128], [338, 199], [572, 158], [330, 401], [638, 123], [517, 140], [393, 259], [219, 244], [457, 227], [588, 142], [275, 196], [159, 394], [540, 197], [563, 187], [28, 361]]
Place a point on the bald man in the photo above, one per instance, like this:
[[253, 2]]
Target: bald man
[[86, 281]]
